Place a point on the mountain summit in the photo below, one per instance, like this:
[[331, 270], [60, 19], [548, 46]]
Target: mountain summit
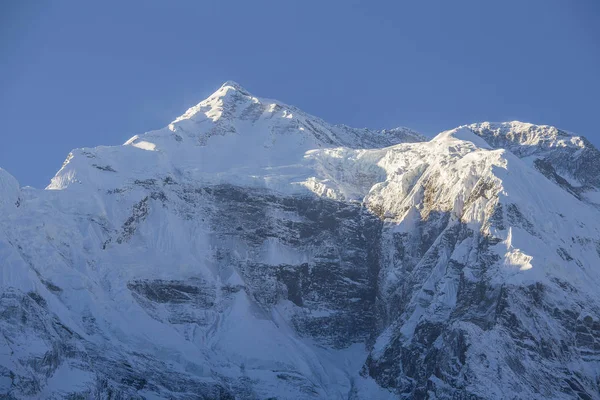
[[230, 132], [249, 250]]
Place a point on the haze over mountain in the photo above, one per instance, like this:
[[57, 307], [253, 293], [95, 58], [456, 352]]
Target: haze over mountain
[[249, 250]]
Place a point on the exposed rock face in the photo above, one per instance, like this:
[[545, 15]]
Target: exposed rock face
[[251, 251]]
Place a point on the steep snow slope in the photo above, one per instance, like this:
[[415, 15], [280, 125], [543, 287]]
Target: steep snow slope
[[250, 250]]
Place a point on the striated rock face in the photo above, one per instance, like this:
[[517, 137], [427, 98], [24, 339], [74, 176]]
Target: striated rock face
[[252, 251]]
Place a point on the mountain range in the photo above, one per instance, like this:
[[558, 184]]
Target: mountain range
[[250, 250]]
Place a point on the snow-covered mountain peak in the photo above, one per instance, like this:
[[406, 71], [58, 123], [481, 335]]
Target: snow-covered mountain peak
[[221, 103], [231, 105], [234, 86], [250, 250], [569, 160], [231, 131], [527, 134]]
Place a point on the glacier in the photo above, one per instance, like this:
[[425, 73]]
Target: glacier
[[249, 250]]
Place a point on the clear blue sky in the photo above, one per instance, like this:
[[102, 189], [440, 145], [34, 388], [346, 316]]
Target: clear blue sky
[[83, 73]]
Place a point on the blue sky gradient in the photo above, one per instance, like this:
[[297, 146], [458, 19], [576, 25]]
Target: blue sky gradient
[[79, 74]]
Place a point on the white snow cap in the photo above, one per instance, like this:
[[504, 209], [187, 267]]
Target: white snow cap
[[233, 85]]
